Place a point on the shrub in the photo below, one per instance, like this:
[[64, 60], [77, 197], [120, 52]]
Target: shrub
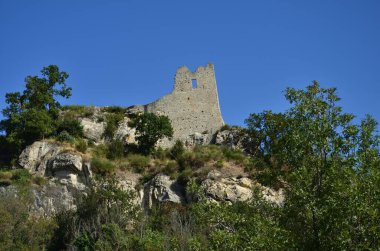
[[21, 177], [100, 151], [177, 150], [184, 176], [225, 127], [5, 175], [190, 160], [64, 136], [72, 126], [171, 168], [102, 166], [77, 111], [5, 178], [91, 143], [112, 120], [236, 155], [115, 149], [160, 153], [81, 146], [39, 180], [115, 109], [150, 128], [208, 152], [219, 164], [19, 230], [138, 162]]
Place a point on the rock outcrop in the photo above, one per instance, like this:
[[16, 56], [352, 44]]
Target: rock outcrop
[[69, 174], [48, 199], [124, 132], [35, 157], [162, 189], [92, 129], [235, 138], [219, 188], [50, 159]]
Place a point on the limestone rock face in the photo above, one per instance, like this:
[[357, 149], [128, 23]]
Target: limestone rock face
[[54, 197], [218, 188], [35, 156], [227, 189], [48, 199], [235, 138], [197, 139], [162, 189], [124, 132], [49, 159], [92, 129]]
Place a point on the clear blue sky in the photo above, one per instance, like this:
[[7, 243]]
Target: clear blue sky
[[125, 52]]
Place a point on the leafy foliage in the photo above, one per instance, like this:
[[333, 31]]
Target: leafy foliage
[[19, 231], [328, 166], [81, 145], [326, 161], [71, 126], [32, 115], [150, 128], [102, 166], [115, 149], [112, 120], [138, 162], [100, 220]]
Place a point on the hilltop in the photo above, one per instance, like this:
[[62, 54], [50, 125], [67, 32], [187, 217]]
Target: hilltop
[[170, 175]]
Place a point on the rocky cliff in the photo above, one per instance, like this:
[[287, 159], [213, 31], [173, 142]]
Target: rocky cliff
[[68, 175]]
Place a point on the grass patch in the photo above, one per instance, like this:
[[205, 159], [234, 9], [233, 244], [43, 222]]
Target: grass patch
[[102, 166], [199, 156], [99, 151], [235, 155], [138, 162], [115, 150], [21, 177], [77, 111], [114, 109], [112, 123], [81, 145]]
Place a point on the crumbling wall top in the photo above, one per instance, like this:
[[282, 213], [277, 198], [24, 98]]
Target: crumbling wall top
[[204, 77]]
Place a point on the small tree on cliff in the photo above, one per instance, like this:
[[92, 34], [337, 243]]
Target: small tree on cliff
[[32, 115], [150, 128]]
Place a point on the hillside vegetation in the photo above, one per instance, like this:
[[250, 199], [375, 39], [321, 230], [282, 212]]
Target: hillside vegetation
[[328, 166]]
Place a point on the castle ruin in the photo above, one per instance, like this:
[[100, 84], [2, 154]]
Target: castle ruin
[[192, 106]]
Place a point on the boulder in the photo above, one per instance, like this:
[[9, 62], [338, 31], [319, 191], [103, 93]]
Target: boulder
[[92, 129], [234, 138], [45, 200], [162, 189], [218, 188], [34, 157], [49, 159], [124, 132], [197, 139]]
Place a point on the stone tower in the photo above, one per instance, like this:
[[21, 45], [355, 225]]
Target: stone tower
[[192, 106]]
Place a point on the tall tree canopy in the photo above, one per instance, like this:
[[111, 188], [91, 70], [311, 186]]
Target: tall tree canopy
[[150, 128], [32, 114], [330, 167]]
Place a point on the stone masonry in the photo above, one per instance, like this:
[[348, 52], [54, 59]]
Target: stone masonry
[[192, 106]]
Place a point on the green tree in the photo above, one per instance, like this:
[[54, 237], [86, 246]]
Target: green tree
[[332, 168], [100, 221], [32, 114], [150, 128]]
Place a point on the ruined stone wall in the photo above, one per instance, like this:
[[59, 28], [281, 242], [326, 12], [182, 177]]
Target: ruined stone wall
[[191, 110]]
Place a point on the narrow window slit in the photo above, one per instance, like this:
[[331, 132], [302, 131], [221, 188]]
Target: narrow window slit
[[194, 83]]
